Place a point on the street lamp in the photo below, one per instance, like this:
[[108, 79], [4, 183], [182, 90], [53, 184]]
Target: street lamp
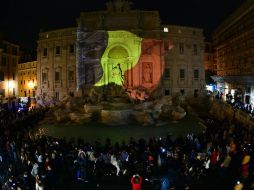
[[10, 84], [31, 84], [31, 87]]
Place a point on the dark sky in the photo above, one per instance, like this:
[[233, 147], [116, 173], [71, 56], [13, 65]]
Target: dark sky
[[21, 20]]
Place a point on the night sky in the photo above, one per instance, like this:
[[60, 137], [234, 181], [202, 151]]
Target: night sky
[[21, 20]]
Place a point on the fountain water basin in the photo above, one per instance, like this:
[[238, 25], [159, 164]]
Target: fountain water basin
[[116, 117]]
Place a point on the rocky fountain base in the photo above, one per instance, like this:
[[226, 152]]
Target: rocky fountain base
[[118, 112]]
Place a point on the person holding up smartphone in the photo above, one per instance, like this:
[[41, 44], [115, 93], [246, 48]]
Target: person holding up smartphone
[[136, 182]]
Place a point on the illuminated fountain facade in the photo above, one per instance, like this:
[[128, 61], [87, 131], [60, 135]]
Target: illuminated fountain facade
[[120, 56], [133, 44], [120, 52], [122, 48]]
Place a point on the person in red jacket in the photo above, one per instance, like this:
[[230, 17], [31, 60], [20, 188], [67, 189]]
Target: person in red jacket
[[136, 182], [214, 158]]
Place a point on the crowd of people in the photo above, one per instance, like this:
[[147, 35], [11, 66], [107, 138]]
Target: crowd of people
[[237, 103], [219, 158]]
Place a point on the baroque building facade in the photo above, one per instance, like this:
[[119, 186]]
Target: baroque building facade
[[9, 58], [56, 63], [123, 47], [27, 79], [234, 44], [184, 69]]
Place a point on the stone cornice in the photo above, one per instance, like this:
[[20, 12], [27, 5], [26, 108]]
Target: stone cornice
[[59, 33]]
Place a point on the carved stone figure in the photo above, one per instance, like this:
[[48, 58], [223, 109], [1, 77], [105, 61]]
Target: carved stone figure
[[94, 96], [147, 74], [117, 74]]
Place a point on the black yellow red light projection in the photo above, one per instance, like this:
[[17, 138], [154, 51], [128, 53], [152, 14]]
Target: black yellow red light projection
[[120, 58], [122, 54]]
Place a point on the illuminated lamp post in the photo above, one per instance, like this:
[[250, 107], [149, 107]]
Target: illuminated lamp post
[[31, 85], [10, 85]]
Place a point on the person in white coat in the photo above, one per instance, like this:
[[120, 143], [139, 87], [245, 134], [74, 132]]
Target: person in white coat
[[114, 162]]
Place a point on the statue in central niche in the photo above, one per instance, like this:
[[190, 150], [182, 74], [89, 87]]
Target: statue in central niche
[[122, 54], [117, 74]]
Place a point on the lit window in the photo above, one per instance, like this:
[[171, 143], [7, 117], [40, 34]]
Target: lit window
[[165, 29]]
